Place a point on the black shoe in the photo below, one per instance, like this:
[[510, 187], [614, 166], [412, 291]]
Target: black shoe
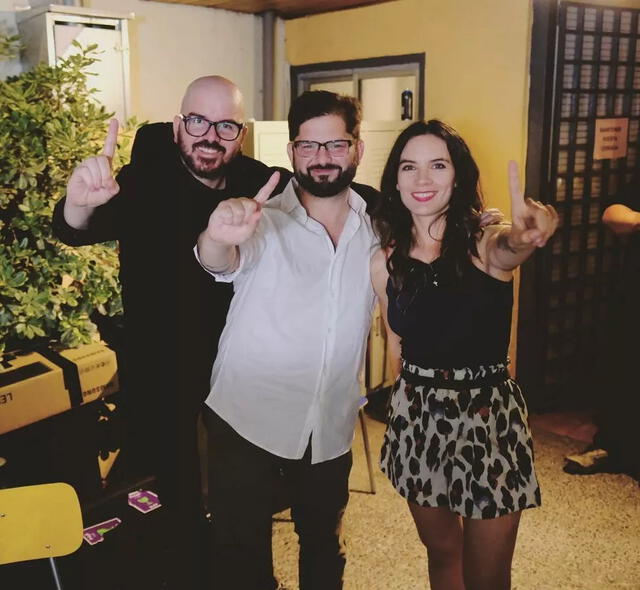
[[589, 462]]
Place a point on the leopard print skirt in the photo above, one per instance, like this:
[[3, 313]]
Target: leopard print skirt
[[460, 439]]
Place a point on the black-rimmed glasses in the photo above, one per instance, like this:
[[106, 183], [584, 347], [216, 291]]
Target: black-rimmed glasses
[[335, 147], [198, 126]]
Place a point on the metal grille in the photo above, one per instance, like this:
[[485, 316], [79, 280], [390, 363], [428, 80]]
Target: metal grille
[[597, 75]]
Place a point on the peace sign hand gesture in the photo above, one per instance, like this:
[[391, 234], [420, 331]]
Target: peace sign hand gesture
[[234, 221], [92, 182], [533, 223]]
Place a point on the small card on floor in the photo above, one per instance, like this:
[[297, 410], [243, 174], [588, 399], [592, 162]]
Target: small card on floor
[[95, 533], [144, 501]]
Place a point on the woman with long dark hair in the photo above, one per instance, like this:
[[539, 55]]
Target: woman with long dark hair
[[458, 445]]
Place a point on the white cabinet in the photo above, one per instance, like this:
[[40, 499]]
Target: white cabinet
[[267, 141], [48, 32]]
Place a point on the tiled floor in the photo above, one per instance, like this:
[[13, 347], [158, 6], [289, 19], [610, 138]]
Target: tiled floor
[[584, 537], [577, 425]]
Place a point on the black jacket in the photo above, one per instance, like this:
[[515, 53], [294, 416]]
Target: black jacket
[[174, 311]]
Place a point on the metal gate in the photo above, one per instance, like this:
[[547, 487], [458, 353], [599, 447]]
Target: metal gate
[[592, 54]]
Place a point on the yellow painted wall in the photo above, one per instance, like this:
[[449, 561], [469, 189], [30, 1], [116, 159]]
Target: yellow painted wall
[[477, 69], [477, 56], [171, 44]]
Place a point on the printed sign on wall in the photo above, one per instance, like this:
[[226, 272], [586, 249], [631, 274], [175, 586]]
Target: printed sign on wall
[[610, 139]]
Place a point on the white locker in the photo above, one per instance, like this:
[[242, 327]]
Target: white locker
[[48, 32]]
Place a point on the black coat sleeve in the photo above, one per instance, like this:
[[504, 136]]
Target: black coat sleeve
[[151, 144], [102, 224], [285, 177], [246, 176]]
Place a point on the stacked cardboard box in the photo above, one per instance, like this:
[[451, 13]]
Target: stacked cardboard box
[[36, 385]]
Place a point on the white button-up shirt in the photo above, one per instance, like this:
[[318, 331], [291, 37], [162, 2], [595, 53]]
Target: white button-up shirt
[[294, 342]]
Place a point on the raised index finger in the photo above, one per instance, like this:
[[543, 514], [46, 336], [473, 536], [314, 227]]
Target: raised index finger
[[517, 196], [112, 137], [268, 188]]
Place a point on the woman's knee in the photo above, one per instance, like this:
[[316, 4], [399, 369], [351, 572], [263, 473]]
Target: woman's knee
[[442, 551], [488, 552], [440, 531]]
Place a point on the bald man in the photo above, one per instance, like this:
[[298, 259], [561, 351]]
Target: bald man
[[156, 207], [207, 149]]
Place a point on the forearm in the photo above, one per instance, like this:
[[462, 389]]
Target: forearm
[[621, 220], [77, 217], [67, 234], [379, 278], [217, 257], [394, 350], [503, 254]]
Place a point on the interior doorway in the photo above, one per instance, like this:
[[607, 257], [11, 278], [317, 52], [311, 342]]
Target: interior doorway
[[390, 88]]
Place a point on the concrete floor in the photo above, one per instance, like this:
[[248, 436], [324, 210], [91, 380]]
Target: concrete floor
[[585, 537]]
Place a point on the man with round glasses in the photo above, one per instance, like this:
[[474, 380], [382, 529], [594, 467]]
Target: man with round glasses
[[174, 314], [207, 146]]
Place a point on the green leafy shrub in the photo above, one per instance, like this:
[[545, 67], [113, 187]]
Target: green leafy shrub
[[9, 44], [49, 122]]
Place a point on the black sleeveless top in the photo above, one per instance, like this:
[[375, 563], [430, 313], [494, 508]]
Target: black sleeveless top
[[449, 322]]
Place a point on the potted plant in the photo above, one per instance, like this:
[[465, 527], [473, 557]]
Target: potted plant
[[49, 122]]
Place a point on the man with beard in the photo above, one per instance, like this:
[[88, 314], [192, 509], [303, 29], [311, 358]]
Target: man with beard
[[174, 313], [284, 388]]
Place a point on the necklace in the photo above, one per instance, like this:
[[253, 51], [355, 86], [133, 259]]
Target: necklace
[[422, 276], [430, 274], [433, 273]]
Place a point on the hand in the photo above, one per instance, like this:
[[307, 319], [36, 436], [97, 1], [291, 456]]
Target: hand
[[532, 222], [92, 183], [235, 220], [491, 217]]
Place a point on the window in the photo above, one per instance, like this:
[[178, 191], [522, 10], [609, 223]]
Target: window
[[378, 82]]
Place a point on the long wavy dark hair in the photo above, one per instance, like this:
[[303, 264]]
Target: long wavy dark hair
[[394, 223]]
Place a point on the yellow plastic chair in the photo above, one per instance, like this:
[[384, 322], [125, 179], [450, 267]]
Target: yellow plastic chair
[[37, 522]]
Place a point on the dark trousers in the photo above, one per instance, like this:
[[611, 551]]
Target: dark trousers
[[243, 493], [165, 445], [618, 402], [180, 491]]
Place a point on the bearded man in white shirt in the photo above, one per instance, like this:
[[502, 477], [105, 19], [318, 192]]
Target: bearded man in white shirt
[[284, 386]]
